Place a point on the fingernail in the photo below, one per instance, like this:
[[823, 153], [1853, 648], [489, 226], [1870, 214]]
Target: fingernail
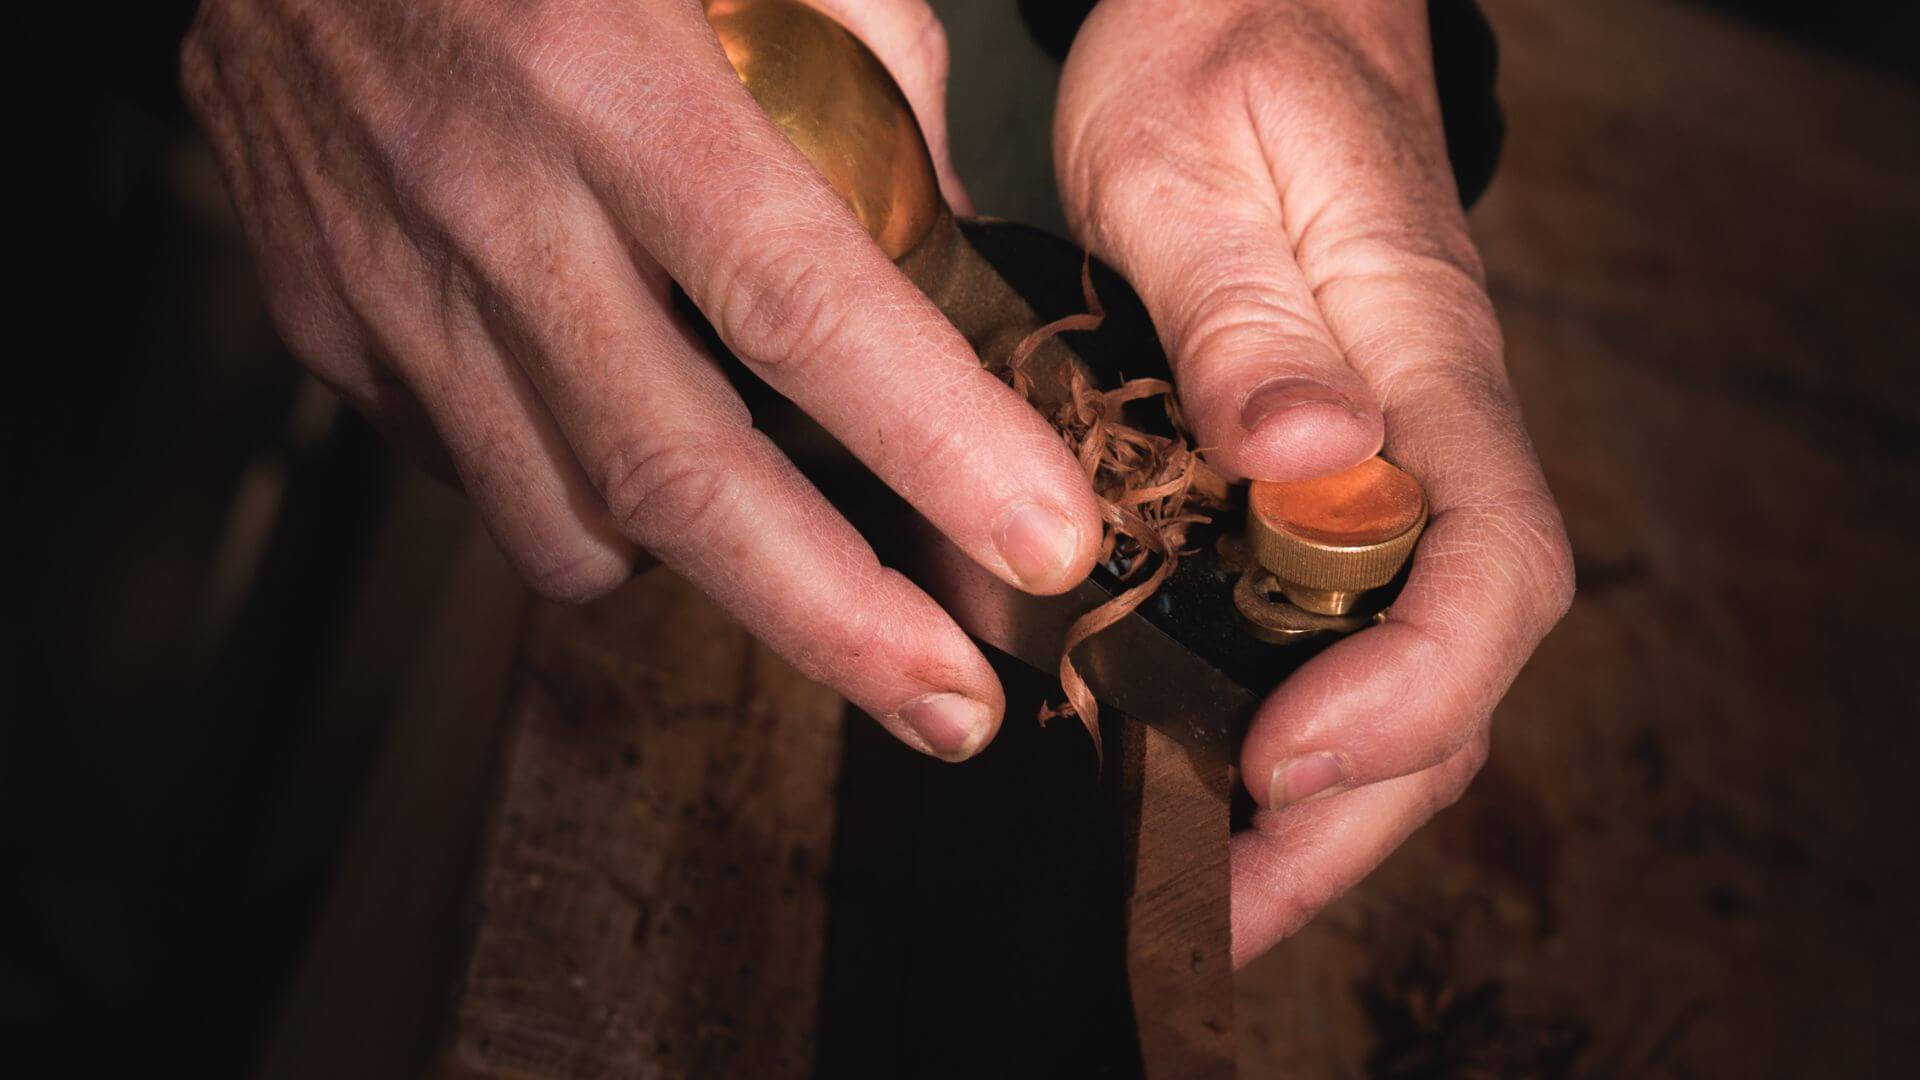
[[953, 725], [1296, 780], [1276, 396], [1037, 544]]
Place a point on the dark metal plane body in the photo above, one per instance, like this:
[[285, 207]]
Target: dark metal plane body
[[1181, 662]]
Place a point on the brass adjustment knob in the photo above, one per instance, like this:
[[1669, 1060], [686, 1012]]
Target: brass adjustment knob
[[1329, 539]]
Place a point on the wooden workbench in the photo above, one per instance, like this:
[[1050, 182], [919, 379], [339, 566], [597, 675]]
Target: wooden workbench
[[1703, 247]]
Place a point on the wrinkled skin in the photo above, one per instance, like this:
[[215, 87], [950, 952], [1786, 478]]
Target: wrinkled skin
[[468, 215], [1273, 180]]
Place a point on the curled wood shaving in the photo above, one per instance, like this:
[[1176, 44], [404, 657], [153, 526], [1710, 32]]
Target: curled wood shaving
[[1150, 488]]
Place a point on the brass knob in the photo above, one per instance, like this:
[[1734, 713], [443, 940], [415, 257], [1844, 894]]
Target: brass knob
[[1329, 539], [832, 98]]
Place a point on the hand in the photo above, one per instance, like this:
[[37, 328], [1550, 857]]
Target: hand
[[468, 214], [1272, 178]]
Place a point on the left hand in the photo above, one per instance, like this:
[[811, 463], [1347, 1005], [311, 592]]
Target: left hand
[[1273, 179]]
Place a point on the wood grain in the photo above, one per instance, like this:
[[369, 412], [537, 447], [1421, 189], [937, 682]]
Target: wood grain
[[653, 882], [370, 997], [1174, 818]]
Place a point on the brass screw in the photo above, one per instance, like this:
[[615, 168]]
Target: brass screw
[[1327, 540]]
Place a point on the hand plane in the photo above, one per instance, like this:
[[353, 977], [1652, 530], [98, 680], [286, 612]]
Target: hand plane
[[1276, 575], [1260, 589]]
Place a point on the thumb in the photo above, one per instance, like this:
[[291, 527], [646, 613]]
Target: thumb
[[1267, 388]]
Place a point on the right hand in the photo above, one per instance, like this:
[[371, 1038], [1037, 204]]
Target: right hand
[[468, 215]]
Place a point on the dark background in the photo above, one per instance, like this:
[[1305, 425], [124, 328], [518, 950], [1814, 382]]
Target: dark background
[[179, 749]]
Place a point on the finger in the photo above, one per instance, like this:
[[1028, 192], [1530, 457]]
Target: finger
[[518, 470], [1400, 291], [399, 417], [1264, 381], [468, 411], [1489, 579], [488, 206], [278, 217], [298, 282], [672, 454], [1293, 863], [502, 444], [1491, 576], [796, 288], [907, 37]]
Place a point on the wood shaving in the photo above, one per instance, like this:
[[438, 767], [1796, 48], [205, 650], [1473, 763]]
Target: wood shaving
[[1151, 489]]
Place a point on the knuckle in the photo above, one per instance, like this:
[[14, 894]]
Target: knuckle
[[480, 203], [670, 496], [783, 310], [1562, 582], [1434, 336], [375, 392], [1312, 894], [949, 450], [1247, 318], [344, 239], [1470, 398], [1473, 756], [196, 73], [1528, 526], [311, 325], [1544, 550], [1457, 774], [844, 648], [1424, 248], [210, 21], [577, 579], [204, 74]]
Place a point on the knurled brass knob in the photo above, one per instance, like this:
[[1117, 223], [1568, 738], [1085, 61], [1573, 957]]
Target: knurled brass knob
[[1329, 539]]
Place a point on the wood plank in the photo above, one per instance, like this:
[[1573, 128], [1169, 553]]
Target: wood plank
[[653, 884], [1174, 822], [370, 996], [978, 915]]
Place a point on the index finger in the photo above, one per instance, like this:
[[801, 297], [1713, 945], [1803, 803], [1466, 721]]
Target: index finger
[[795, 286]]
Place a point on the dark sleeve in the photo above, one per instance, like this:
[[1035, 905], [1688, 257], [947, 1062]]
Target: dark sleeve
[[1465, 61]]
